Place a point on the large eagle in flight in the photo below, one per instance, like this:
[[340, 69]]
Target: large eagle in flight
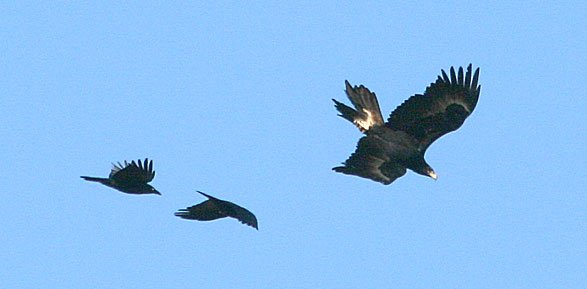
[[389, 148]]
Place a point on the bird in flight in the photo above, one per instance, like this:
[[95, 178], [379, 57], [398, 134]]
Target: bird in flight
[[131, 178], [389, 148], [214, 208]]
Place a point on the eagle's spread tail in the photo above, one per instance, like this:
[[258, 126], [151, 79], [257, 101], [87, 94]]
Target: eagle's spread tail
[[366, 113]]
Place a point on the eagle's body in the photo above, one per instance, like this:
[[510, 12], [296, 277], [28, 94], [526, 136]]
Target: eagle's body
[[389, 148]]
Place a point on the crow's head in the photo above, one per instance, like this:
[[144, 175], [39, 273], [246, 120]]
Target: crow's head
[[147, 189]]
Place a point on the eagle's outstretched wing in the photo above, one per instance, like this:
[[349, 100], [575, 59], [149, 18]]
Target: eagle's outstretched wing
[[441, 109]]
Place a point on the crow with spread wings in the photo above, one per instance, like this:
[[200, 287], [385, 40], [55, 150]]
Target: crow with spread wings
[[389, 148], [130, 178], [214, 208]]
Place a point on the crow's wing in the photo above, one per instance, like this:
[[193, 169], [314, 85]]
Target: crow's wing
[[243, 215], [141, 172]]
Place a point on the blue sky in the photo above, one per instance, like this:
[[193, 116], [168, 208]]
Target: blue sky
[[234, 99]]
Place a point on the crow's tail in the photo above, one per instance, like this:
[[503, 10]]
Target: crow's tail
[[99, 180]]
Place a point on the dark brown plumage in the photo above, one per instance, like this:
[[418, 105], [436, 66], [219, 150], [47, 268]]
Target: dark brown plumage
[[130, 178], [400, 143], [214, 208]]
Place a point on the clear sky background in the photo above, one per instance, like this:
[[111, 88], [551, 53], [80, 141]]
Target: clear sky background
[[234, 99]]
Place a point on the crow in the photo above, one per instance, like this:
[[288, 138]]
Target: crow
[[214, 208], [130, 178]]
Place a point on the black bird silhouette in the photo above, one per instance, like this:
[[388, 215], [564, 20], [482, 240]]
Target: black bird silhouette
[[214, 208], [401, 142], [131, 178]]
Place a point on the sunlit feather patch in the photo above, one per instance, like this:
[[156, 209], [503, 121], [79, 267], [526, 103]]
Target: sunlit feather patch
[[366, 123]]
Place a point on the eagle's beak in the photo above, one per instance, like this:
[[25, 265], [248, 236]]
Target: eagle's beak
[[433, 175]]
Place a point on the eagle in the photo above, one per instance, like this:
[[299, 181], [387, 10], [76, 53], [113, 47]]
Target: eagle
[[130, 178], [214, 208], [389, 148]]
